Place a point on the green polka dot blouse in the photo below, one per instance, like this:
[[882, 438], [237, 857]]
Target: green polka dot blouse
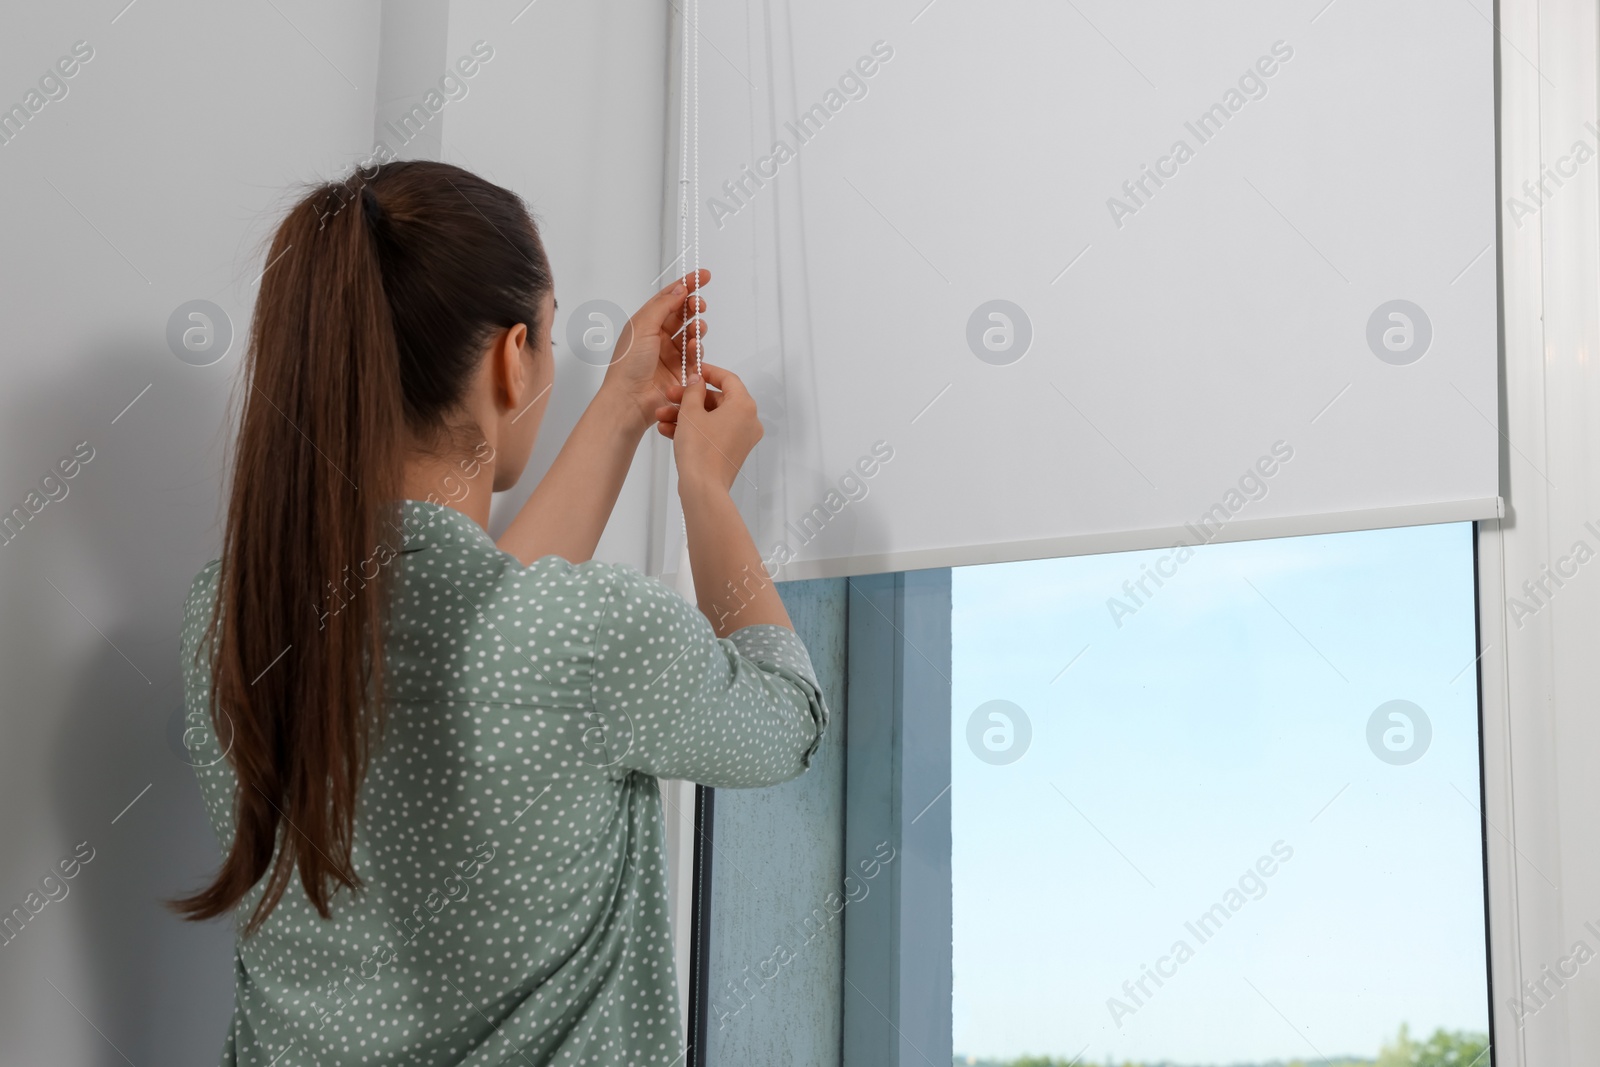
[[510, 830]]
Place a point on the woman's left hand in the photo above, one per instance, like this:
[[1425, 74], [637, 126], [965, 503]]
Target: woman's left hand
[[650, 348]]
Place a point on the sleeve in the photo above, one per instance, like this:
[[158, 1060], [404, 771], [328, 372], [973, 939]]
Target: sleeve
[[679, 702]]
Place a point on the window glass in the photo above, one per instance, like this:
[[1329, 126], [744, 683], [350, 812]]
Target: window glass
[[1220, 807]]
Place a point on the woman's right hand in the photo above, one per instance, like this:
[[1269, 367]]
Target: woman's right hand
[[712, 432]]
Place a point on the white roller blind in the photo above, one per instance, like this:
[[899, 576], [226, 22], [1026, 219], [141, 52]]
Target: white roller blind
[[1023, 279]]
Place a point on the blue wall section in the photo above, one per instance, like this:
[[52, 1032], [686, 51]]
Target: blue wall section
[[896, 1007], [776, 942]]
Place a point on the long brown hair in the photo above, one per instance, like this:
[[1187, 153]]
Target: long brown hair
[[381, 292]]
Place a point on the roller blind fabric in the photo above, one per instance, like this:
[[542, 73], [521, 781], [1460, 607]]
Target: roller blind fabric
[[1015, 279]]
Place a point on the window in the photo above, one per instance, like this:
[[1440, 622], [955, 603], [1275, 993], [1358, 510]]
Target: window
[[1222, 809], [1230, 816]]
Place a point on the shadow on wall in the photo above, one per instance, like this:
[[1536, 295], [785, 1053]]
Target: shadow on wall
[[115, 555], [161, 989]]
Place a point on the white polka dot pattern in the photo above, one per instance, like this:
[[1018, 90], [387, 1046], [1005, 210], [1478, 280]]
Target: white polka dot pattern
[[510, 830]]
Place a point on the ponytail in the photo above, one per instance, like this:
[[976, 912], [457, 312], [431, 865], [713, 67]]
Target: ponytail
[[381, 291]]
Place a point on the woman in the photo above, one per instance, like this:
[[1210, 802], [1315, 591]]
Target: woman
[[434, 757]]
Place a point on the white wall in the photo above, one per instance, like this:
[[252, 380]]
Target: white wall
[[570, 114], [152, 182], [156, 180]]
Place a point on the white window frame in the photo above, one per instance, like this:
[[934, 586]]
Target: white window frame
[[1540, 674]]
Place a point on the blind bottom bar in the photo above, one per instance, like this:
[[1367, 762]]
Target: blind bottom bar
[[1135, 540]]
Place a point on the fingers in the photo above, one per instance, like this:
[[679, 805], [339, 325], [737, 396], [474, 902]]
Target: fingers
[[670, 299], [671, 354], [691, 306], [674, 395], [673, 295], [725, 380], [678, 338], [694, 355], [683, 324], [683, 304], [694, 395], [693, 282], [683, 336], [696, 327]]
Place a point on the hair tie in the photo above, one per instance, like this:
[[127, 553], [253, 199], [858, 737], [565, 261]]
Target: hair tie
[[370, 206]]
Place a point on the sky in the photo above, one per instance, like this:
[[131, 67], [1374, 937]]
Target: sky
[[1227, 714]]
